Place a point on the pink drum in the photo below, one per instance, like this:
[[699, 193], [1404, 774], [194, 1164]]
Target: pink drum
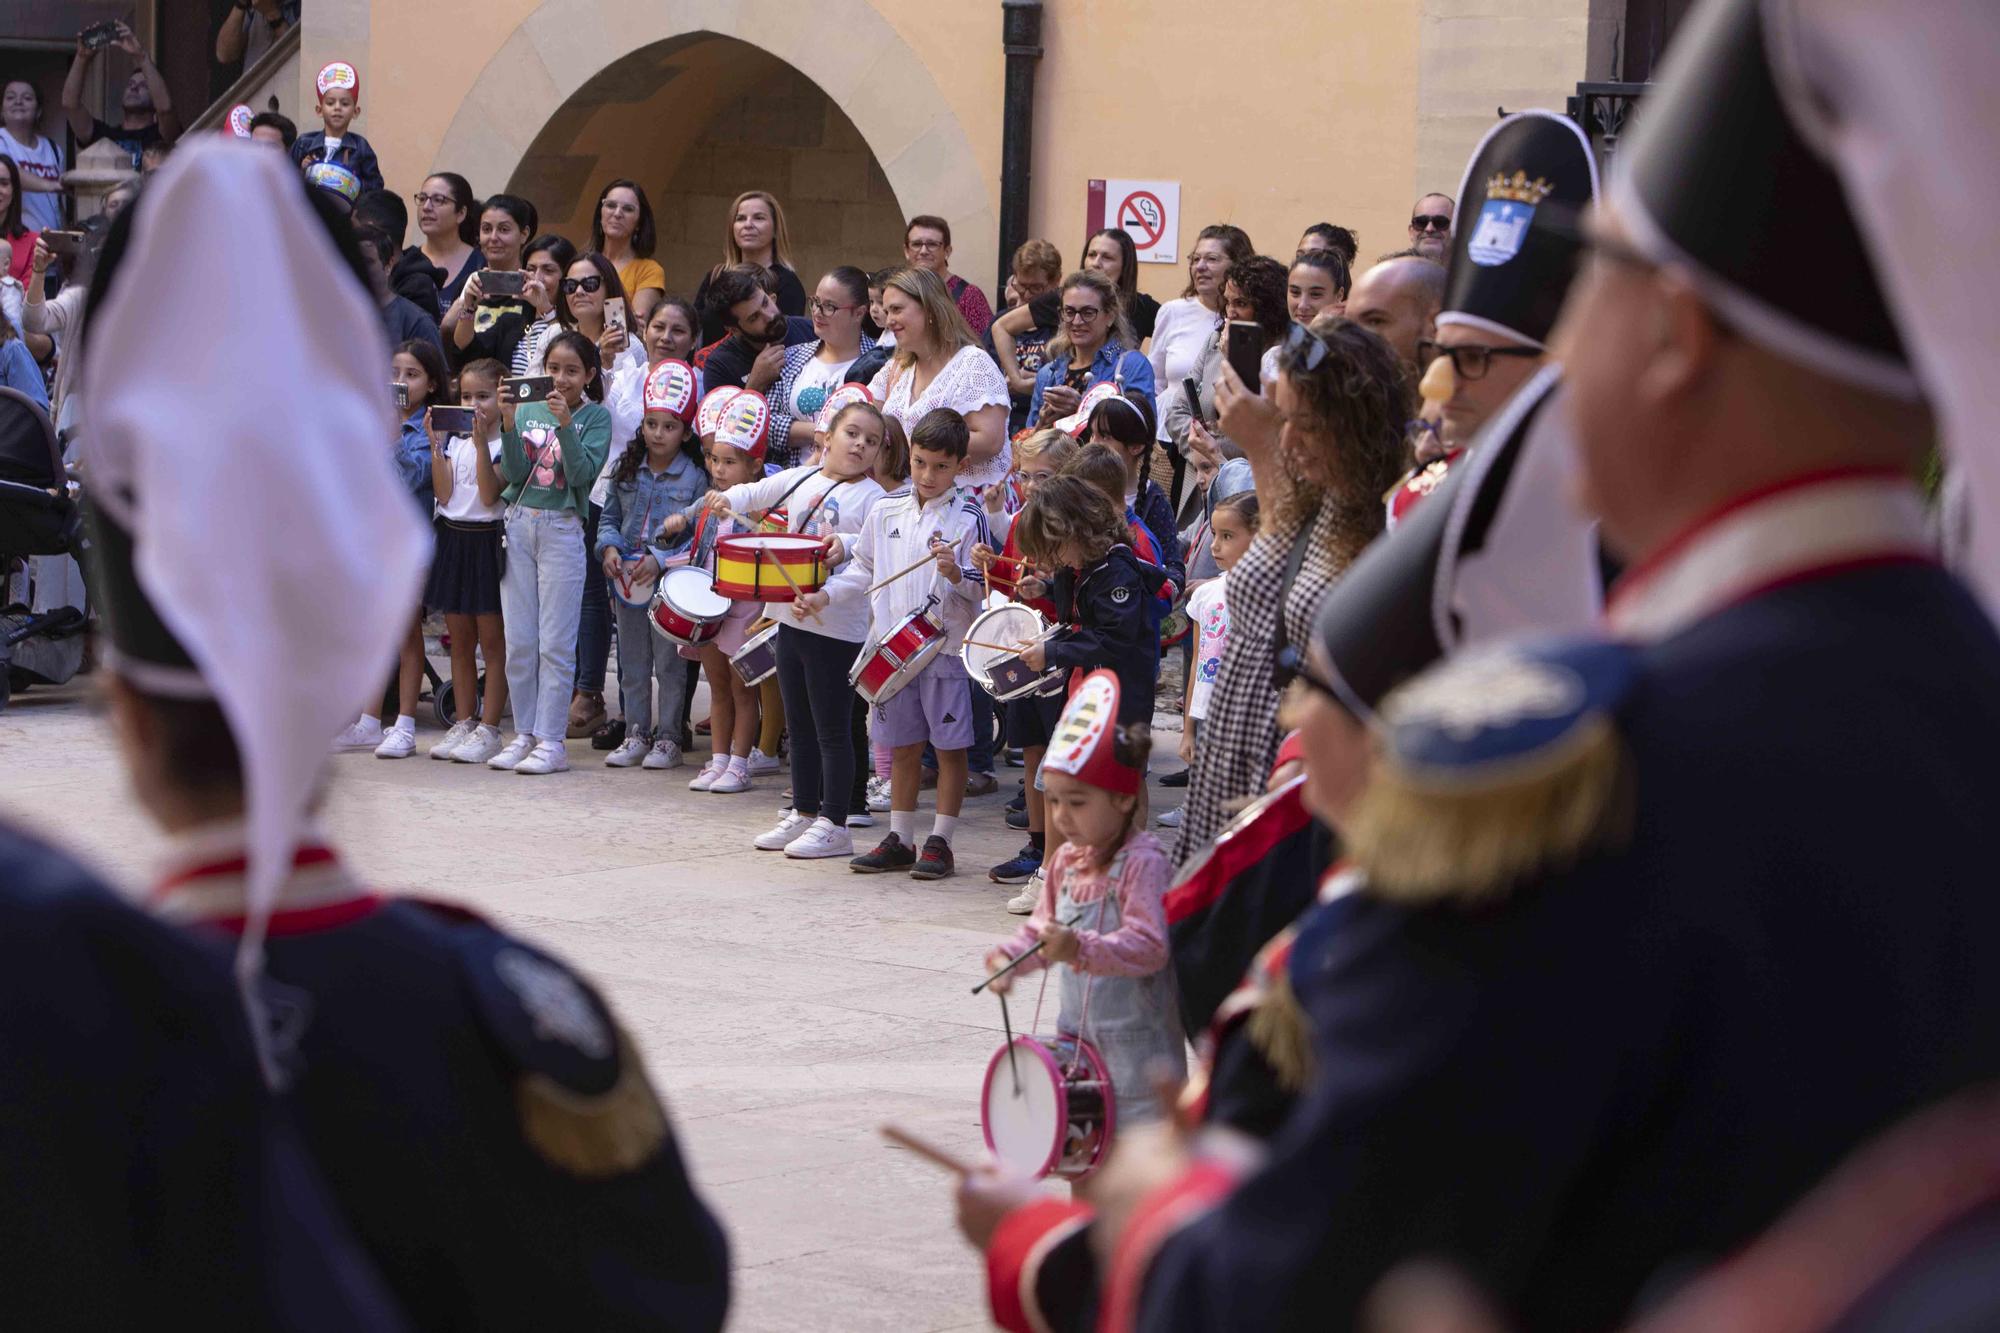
[[1050, 1109]]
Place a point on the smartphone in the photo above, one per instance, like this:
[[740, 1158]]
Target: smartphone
[[64, 245], [502, 282], [527, 389], [1191, 392], [402, 392], [451, 420], [614, 313], [100, 35], [1245, 355]]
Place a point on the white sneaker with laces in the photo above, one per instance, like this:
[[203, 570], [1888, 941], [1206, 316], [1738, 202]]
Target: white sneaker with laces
[[629, 752], [666, 753], [728, 782], [461, 732], [1023, 902], [761, 763], [878, 793], [517, 749], [364, 733], [787, 828], [547, 757], [397, 744], [1169, 818], [710, 771], [822, 838], [480, 746]]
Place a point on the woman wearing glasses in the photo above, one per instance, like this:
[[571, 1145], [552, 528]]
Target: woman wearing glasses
[[1094, 345], [448, 219], [1323, 443], [622, 231], [815, 369]]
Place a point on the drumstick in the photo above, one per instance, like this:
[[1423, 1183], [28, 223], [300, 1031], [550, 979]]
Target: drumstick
[[1025, 954], [930, 1152], [999, 647], [1007, 1027], [901, 573], [786, 574]]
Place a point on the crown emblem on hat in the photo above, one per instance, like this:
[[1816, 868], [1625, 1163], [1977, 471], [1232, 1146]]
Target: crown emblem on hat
[[1518, 187]]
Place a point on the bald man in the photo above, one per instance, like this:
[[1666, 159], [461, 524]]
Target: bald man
[[1399, 298], [1430, 226]]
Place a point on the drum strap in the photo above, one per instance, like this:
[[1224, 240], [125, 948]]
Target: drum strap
[[769, 509], [1082, 1019]]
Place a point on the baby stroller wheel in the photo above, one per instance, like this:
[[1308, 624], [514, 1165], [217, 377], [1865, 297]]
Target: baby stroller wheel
[[444, 701]]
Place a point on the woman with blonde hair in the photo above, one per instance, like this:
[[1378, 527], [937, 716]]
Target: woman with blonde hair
[[939, 363], [757, 235], [1094, 345]]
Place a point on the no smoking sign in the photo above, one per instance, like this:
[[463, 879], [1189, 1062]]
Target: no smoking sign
[[1148, 211]]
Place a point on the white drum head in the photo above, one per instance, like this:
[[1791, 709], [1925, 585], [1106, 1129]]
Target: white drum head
[[1025, 1122], [1003, 625], [692, 593]]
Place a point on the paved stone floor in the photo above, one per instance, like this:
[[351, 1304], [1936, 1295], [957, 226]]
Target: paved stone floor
[[786, 1008]]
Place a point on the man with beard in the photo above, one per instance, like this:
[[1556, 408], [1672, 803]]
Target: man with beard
[[752, 356], [148, 109]]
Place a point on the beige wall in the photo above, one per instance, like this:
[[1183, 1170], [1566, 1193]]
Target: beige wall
[[1271, 116]]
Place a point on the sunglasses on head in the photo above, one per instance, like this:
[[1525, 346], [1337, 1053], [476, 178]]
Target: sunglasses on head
[[571, 286], [1314, 347], [1430, 222], [1291, 664]]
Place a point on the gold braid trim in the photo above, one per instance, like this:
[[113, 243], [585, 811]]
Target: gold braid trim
[[600, 1136], [1282, 1033]]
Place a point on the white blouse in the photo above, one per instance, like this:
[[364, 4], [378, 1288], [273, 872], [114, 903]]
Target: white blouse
[[1180, 335], [969, 381]]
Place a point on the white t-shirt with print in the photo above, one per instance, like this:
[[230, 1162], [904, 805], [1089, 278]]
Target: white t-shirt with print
[[41, 212], [464, 505], [1208, 612]]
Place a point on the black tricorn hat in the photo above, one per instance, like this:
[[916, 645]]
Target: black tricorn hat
[[141, 646], [1716, 179], [1510, 268], [1496, 548]]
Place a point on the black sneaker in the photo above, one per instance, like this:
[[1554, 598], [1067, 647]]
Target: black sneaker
[[609, 736], [1179, 779], [892, 853], [1019, 870], [1020, 800], [936, 861], [1017, 819]]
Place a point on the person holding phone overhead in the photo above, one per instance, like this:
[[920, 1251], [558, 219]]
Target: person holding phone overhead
[[1253, 292], [147, 109], [1094, 346]]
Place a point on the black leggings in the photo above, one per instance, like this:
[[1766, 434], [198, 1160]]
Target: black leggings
[[819, 712]]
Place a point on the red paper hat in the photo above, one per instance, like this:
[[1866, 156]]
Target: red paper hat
[[1093, 398], [1085, 745], [745, 423], [670, 389], [710, 412], [838, 399], [339, 74], [239, 120]]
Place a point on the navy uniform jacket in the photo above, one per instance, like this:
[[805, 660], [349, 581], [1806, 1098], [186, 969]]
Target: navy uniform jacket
[[355, 153], [146, 1179], [1624, 1071], [1106, 625], [424, 1028]]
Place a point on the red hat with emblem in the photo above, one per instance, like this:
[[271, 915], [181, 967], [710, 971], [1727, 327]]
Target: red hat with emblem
[[1088, 739], [338, 74], [837, 400], [744, 422], [670, 389]]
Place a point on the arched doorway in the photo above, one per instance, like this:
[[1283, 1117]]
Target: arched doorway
[[852, 134]]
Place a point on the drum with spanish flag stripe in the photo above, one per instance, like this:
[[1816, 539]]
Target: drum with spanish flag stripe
[[769, 567]]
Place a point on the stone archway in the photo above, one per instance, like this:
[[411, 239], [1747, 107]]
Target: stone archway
[[568, 61]]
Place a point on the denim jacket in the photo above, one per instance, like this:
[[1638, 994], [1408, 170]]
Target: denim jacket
[[1112, 362], [413, 461], [635, 509]]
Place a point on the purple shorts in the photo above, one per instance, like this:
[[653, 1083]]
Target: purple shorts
[[935, 707]]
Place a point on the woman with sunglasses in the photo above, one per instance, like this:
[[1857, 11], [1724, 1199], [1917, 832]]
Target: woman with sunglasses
[[1324, 442], [581, 299], [1094, 346], [815, 369]]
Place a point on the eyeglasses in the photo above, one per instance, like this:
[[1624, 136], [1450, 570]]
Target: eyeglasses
[[435, 200], [1470, 361], [820, 307], [1081, 314], [1291, 664], [1315, 347], [924, 245], [571, 286], [1430, 222]]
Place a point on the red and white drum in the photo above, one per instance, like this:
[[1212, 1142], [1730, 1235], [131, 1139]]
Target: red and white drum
[[769, 566], [757, 659], [631, 591], [687, 611], [992, 653], [894, 662], [1048, 1110]]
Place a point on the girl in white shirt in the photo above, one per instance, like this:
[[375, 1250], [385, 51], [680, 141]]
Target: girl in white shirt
[[465, 575]]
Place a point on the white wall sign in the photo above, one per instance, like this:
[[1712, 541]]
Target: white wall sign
[[1150, 211]]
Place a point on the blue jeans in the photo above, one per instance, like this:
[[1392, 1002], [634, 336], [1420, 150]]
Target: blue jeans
[[593, 626], [645, 660], [540, 596]]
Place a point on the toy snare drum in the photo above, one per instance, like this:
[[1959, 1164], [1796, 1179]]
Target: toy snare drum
[[687, 611], [993, 653], [631, 591], [897, 660], [757, 659], [769, 566], [1047, 1107]]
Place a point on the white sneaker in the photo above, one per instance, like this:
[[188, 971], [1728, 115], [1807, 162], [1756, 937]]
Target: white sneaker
[[461, 732], [787, 828], [861, 819], [1169, 818], [821, 838], [364, 733], [878, 793], [547, 757], [517, 749], [1023, 902], [710, 771], [666, 753], [728, 782], [761, 763], [629, 752], [397, 744], [480, 746]]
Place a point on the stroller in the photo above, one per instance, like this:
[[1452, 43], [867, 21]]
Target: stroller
[[41, 532]]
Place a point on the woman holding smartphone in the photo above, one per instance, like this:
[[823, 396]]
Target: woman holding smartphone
[[479, 323], [1253, 292], [1093, 346]]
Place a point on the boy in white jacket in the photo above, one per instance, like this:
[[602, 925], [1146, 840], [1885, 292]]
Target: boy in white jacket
[[939, 518]]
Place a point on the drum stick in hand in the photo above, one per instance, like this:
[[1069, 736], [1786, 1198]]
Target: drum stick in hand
[[786, 574], [1025, 954], [930, 1152], [902, 573]]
